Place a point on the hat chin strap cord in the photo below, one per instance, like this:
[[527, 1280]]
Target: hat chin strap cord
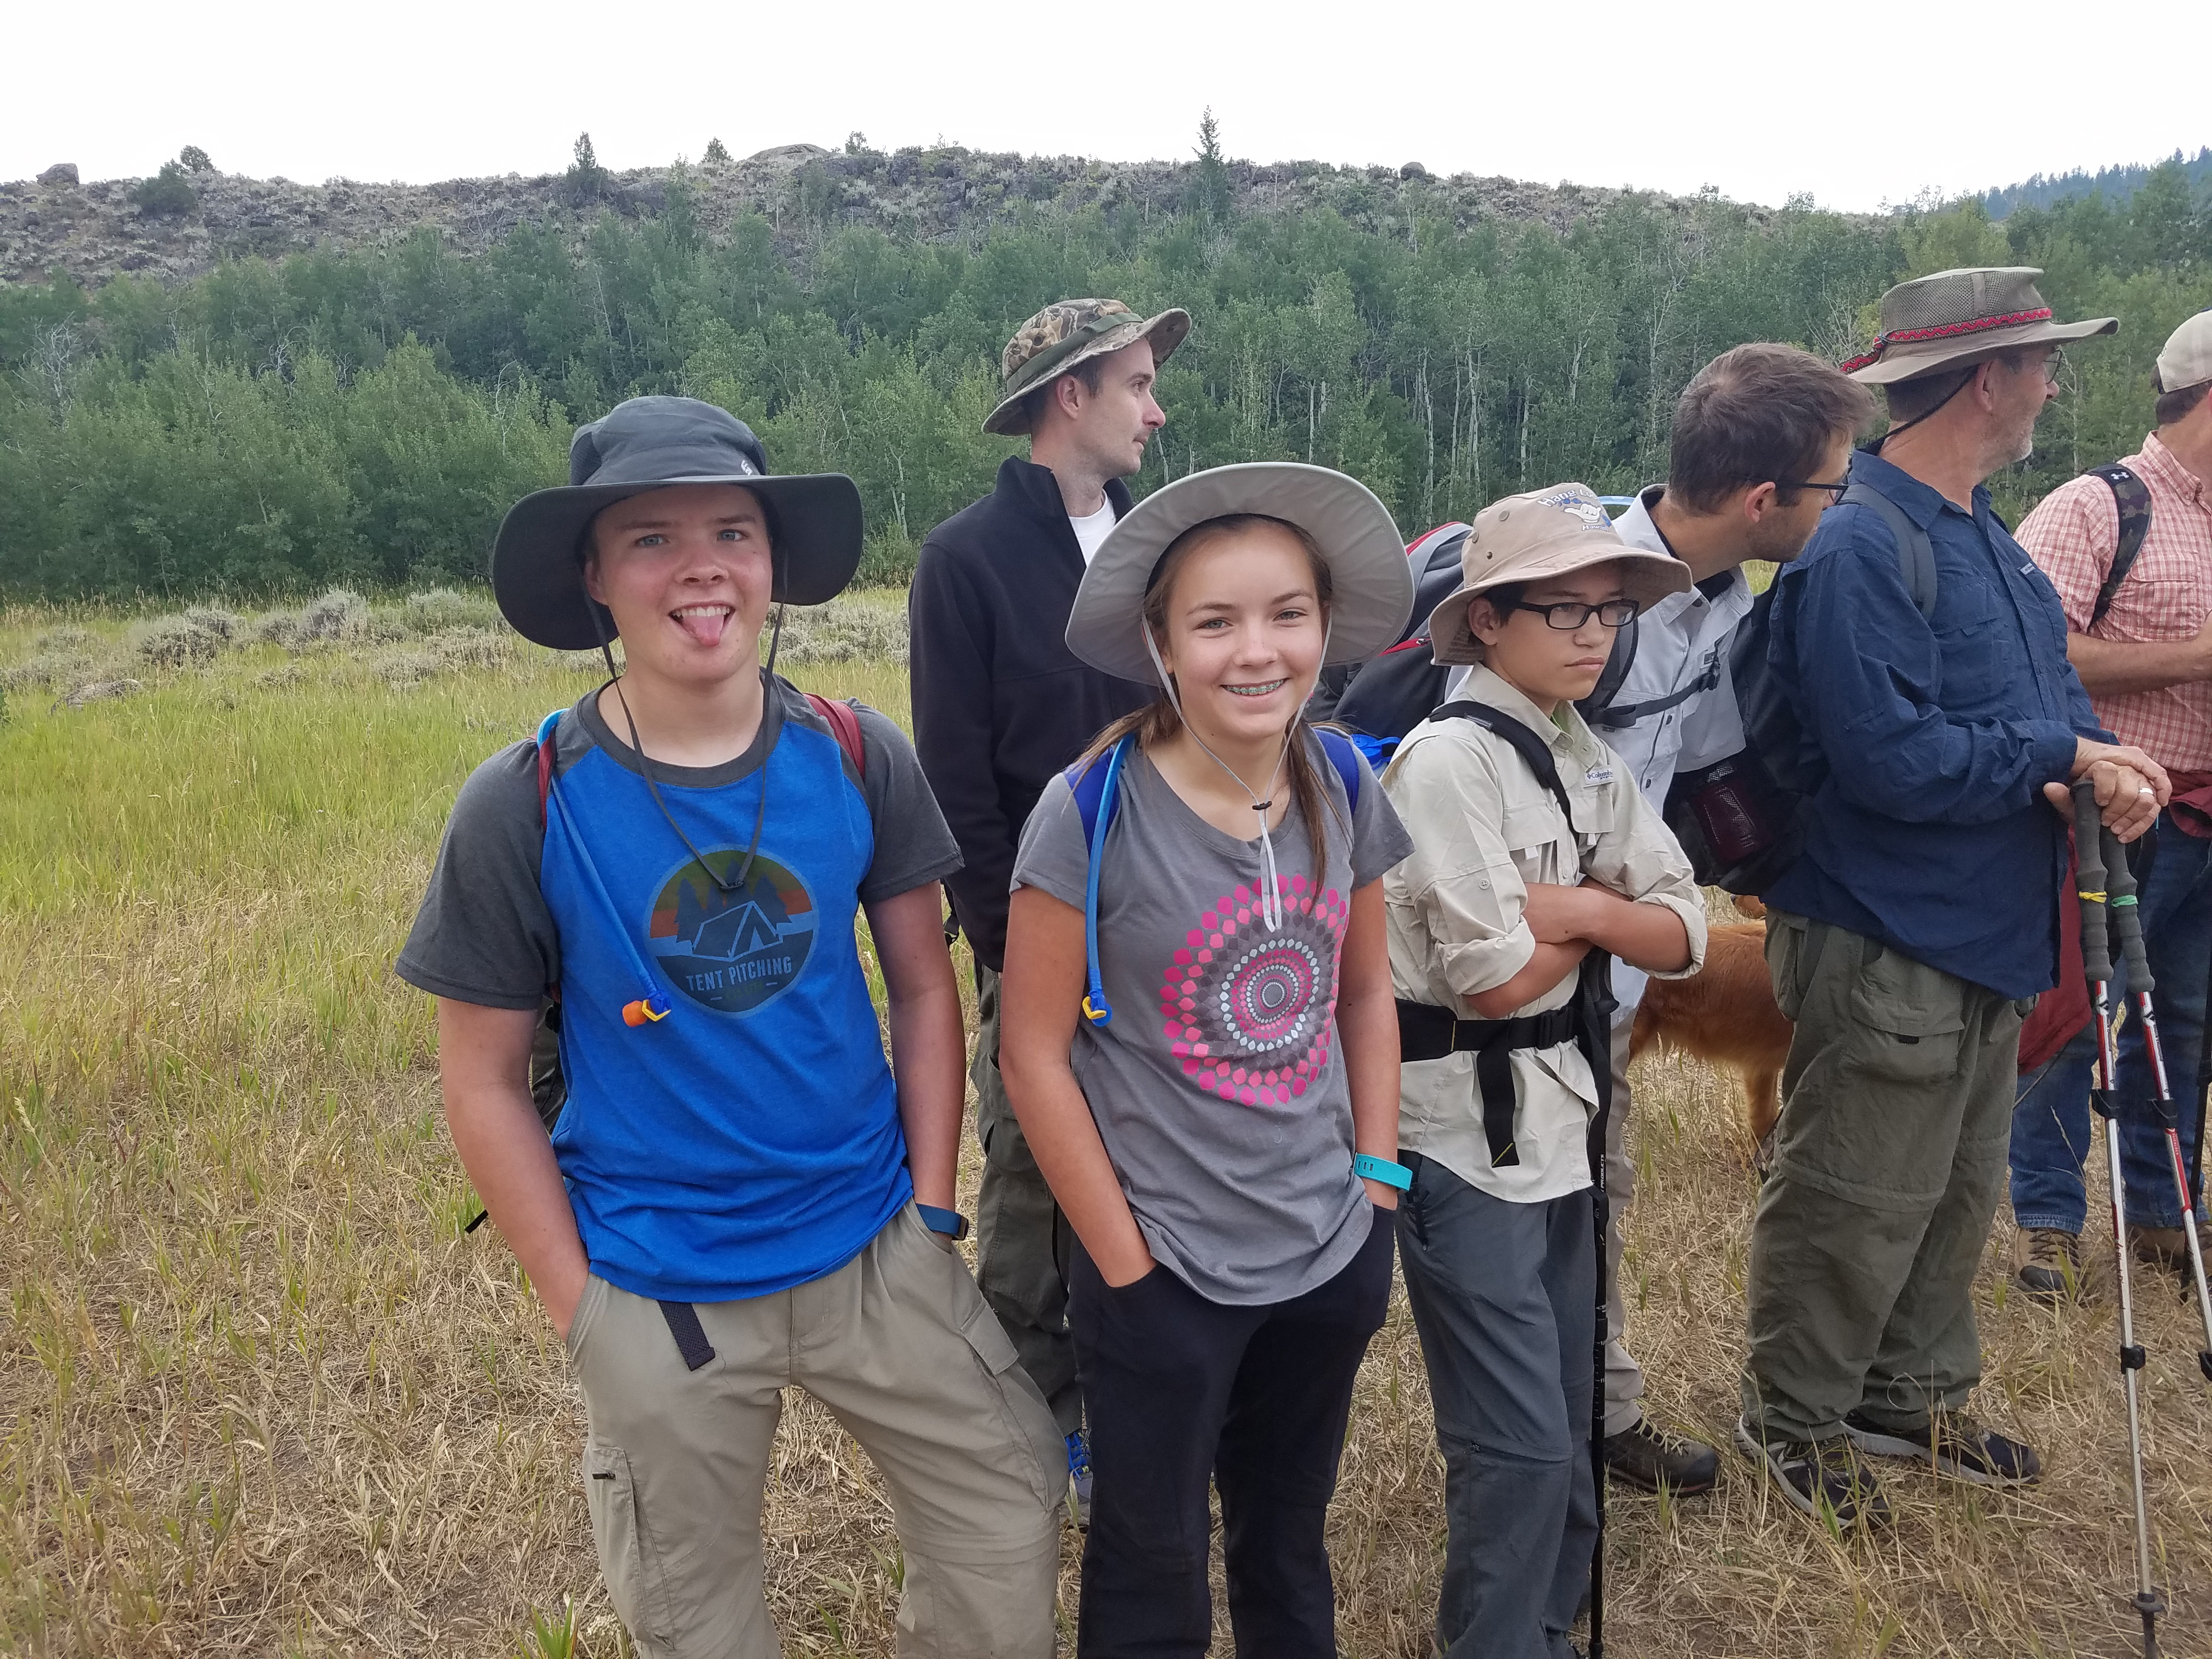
[[1271, 898], [736, 884]]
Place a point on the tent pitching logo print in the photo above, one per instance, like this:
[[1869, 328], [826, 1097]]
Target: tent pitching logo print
[[734, 952]]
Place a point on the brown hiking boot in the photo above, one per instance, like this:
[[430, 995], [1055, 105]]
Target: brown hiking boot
[[2167, 1247], [2047, 1263]]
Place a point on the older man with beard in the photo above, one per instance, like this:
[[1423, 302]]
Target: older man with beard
[[1921, 916]]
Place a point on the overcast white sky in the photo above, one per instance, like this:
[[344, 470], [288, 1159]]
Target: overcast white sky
[[1856, 104]]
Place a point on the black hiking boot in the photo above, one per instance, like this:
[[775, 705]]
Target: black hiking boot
[[1648, 1456], [1956, 1444], [2047, 1264], [1822, 1478]]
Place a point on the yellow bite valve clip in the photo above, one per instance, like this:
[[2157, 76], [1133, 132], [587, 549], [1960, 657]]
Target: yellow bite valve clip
[[646, 1010]]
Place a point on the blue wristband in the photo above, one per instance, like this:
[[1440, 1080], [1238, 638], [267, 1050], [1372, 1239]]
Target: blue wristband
[[950, 1223], [1382, 1169]]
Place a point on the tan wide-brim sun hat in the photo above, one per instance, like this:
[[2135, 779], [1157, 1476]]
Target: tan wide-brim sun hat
[[1956, 319], [1064, 334], [1538, 537], [1372, 584]]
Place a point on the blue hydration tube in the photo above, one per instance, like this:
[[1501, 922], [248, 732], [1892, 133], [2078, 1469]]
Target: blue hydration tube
[[1096, 1008], [652, 1007]]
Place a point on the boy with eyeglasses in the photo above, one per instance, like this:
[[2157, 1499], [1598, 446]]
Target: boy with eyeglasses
[[1534, 855]]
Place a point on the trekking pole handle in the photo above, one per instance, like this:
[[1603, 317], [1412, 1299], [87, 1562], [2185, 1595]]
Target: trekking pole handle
[[2089, 882], [2127, 918]]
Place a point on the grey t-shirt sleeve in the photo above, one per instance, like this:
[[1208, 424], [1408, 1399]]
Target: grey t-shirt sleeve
[[483, 934], [1053, 857], [1379, 840], [913, 845]]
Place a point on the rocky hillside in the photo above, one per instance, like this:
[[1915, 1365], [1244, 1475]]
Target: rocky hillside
[[55, 224]]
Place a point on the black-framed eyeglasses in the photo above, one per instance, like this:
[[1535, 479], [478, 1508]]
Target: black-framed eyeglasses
[[1835, 490], [1567, 615]]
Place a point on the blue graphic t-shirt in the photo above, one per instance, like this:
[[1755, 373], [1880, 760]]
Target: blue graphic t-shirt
[[749, 1141]]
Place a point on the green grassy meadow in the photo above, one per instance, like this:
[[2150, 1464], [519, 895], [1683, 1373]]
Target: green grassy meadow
[[260, 1393]]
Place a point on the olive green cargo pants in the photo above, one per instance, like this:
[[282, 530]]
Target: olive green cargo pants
[[1021, 1241], [1889, 1159]]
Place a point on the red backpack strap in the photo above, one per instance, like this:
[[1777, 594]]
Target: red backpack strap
[[546, 761], [844, 725]]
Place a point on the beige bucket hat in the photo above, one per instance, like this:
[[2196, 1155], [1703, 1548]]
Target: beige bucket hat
[[1372, 584], [1955, 318], [1528, 539], [1067, 332]]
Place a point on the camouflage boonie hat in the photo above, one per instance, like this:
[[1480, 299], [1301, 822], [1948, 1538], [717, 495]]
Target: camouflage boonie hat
[[1068, 333]]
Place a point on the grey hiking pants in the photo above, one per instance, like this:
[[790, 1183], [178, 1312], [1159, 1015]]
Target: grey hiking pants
[[1021, 1243], [1502, 1296], [1889, 1161]]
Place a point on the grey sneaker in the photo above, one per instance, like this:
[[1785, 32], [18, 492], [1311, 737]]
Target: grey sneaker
[[1820, 1477], [1956, 1444], [2047, 1263]]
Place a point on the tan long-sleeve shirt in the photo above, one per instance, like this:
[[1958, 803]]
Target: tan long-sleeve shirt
[[1483, 829]]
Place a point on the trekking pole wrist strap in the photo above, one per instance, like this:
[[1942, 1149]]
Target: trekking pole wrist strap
[[1368, 1167], [950, 1223]]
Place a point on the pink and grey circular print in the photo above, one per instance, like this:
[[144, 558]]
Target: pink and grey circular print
[[1249, 1011]]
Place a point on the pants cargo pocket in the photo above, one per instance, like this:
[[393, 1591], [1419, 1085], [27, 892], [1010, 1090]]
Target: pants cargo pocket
[[1909, 1019], [629, 1561], [1031, 1438]]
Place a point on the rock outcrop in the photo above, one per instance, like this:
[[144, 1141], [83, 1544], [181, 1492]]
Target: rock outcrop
[[93, 232]]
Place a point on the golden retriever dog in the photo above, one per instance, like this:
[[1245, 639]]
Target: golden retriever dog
[[1724, 1015]]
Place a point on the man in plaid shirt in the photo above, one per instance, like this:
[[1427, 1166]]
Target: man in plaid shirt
[[2146, 664]]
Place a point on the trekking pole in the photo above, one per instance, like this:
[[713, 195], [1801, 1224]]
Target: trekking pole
[[2097, 965], [1597, 985], [2127, 925]]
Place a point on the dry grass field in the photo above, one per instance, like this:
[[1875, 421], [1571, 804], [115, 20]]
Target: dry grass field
[[260, 1393]]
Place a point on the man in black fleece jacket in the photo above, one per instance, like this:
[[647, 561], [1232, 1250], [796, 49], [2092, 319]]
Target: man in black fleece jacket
[[1000, 704]]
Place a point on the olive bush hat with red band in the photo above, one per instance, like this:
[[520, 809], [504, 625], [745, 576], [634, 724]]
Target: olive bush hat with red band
[[1958, 317], [1372, 584], [650, 443]]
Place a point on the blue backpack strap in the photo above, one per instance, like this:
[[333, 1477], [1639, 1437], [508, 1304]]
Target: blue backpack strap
[[1097, 789], [1343, 755]]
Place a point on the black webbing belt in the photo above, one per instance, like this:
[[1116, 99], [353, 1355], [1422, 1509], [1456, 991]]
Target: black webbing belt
[[691, 1338], [1428, 1032]]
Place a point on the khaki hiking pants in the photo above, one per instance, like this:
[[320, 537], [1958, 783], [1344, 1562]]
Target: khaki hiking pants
[[1889, 1161], [898, 1345]]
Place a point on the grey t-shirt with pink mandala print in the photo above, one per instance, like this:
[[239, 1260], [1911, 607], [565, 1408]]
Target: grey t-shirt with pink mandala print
[[1216, 1087]]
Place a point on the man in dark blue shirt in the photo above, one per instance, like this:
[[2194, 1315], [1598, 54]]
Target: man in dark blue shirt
[[1924, 912]]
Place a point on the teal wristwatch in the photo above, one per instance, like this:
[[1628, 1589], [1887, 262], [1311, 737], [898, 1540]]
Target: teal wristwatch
[[1372, 1168], [950, 1223]]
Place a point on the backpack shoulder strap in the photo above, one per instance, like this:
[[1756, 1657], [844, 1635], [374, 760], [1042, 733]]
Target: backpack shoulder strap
[[1597, 708], [1098, 788], [1916, 553], [845, 727], [1345, 758], [545, 741], [1530, 747], [2132, 497]]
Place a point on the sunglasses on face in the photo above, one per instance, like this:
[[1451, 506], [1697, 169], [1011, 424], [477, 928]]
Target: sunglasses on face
[[1567, 615]]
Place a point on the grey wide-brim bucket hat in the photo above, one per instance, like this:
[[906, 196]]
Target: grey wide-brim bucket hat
[[1067, 333], [1373, 583], [650, 443], [1543, 534], [1956, 319]]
